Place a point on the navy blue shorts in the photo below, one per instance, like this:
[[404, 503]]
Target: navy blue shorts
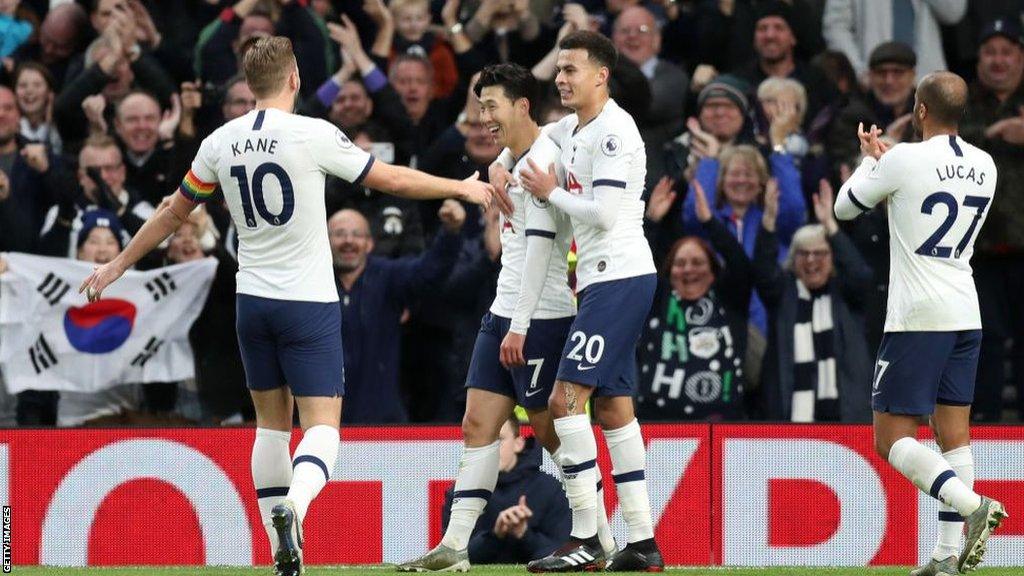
[[601, 349], [528, 385], [290, 342], [916, 370]]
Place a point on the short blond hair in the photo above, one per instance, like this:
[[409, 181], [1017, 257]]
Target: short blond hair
[[267, 63], [748, 154], [397, 5], [773, 87]]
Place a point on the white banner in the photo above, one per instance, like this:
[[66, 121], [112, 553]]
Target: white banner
[[52, 338]]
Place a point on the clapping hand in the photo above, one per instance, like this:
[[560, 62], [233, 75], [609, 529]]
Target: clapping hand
[[870, 144]]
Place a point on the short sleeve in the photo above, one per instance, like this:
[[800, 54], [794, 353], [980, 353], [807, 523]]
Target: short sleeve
[[336, 154], [200, 182], [612, 159]]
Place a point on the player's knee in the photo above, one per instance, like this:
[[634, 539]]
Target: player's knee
[[474, 430]]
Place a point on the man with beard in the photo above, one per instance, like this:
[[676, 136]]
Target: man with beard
[[775, 48], [29, 181], [374, 292]]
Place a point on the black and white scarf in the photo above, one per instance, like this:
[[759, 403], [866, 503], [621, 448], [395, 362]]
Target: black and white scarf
[[815, 392]]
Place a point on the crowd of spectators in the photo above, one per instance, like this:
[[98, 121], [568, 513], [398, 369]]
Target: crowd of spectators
[[768, 309]]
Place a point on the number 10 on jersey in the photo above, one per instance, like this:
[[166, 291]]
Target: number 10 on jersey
[[255, 196]]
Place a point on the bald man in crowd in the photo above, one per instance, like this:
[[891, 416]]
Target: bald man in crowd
[[374, 293]]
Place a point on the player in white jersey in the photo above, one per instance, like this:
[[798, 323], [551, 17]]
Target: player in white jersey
[[521, 337], [605, 163], [270, 165], [937, 193]]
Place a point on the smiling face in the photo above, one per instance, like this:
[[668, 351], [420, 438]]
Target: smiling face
[[412, 20], [352, 107], [812, 261], [721, 117], [636, 35], [33, 92], [741, 183], [351, 241], [773, 39], [99, 247], [691, 275], [1000, 64], [184, 245], [136, 123], [891, 83], [578, 78], [500, 116]]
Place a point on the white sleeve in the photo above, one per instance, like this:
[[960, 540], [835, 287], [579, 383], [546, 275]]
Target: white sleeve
[[505, 159], [872, 182], [200, 182], [335, 154], [541, 229]]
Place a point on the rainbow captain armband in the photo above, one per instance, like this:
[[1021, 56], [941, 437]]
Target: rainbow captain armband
[[195, 189]]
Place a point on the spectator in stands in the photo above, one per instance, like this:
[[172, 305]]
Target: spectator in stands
[[817, 368], [722, 111], [527, 515], [856, 27], [502, 31], [412, 22], [374, 292], [783, 105], [60, 36], [110, 73], [775, 48], [395, 223], [146, 138], [995, 122], [218, 391], [30, 181], [101, 184], [887, 104], [638, 38], [697, 330], [218, 51], [34, 89], [14, 32]]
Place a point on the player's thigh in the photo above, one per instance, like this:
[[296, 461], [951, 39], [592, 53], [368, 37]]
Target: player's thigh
[[257, 343], [319, 411], [534, 381], [485, 369], [908, 371], [273, 408], [310, 349], [486, 411], [889, 428], [600, 351], [956, 386]]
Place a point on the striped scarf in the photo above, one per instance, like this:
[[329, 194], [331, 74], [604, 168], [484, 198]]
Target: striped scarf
[[815, 392]]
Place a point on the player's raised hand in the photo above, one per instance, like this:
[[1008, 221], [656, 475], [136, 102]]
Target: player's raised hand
[[701, 202], [870, 144], [511, 352], [452, 215], [661, 199], [101, 277], [474, 191], [537, 181], [771, 205]]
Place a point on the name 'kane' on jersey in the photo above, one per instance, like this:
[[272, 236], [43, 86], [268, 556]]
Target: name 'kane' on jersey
[[271, 168], [607, 151], [534, 216], [938, 194]]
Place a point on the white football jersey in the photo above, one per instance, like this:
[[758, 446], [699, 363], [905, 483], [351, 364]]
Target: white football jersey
[[937, 193], [271, 167], [607, 151], [534, 216]]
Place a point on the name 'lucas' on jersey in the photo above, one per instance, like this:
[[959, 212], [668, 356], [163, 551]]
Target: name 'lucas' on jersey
[[608, 150]]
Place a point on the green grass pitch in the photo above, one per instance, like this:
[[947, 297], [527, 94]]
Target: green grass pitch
[[477, 570]]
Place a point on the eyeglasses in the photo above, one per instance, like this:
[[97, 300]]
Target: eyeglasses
[[346, 234], [808, 254], [641, 30]]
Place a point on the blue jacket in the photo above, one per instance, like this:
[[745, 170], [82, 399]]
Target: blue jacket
[[371, 327], [546, 530], [792, 214]]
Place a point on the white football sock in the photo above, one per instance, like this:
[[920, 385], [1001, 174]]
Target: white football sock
[[312, 465], [271, 475], [951, 524], [578, 455], [604, 530], [931, 473], [626, 446], [478, 473]]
